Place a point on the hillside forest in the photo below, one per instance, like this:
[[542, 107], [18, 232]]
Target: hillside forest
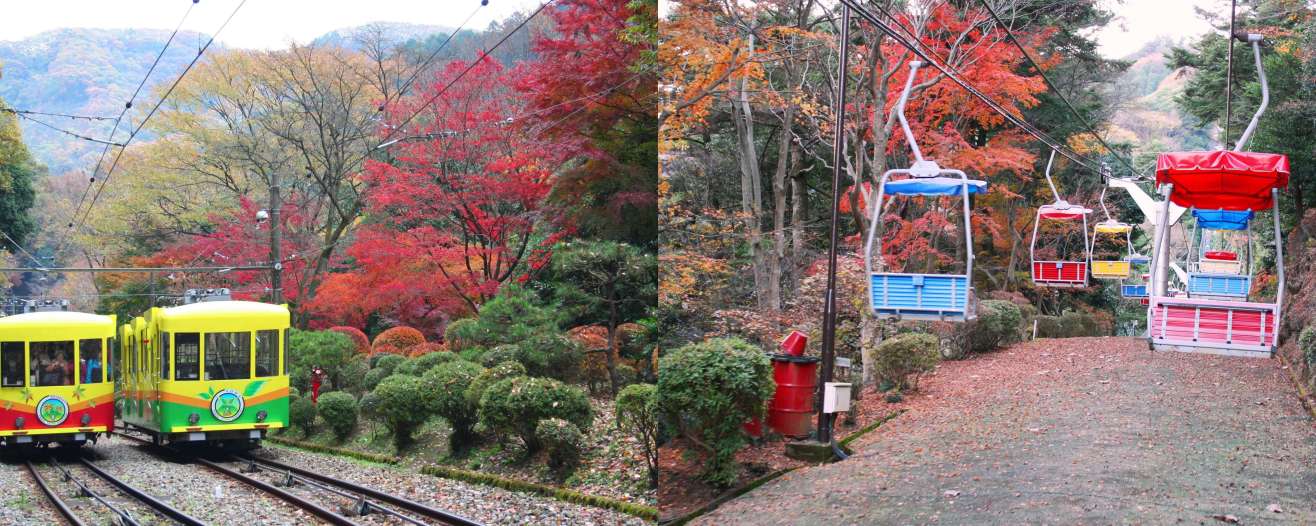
[[749, 95]]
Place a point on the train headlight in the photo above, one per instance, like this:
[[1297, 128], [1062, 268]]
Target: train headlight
[[193, 418], [86, 419], [260, 415], [18, 422]]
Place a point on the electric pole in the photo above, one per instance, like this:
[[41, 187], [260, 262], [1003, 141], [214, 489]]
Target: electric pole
[[276, 241]]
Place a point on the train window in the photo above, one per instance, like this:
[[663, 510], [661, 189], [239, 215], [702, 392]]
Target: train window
[[164, 356], [11, 364], [112, 372], [283, 361], [228, 355], [91, 367], [52, 363], [187, 356], [267, 353]]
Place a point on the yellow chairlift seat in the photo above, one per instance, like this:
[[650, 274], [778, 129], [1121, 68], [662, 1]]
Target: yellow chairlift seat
[[1112, 269]]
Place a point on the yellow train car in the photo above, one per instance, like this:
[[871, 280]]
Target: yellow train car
[[210, 371], [54, 387]]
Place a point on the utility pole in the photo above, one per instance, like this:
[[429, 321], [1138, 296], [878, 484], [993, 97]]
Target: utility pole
[[829, 304], [276, 241]]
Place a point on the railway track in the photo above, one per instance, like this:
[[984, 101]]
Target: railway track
[[85, 487], [297, 486]]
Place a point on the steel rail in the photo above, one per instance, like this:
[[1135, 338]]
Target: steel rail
[[141, 496], [400, 502], [54, 499], [126, 518], [317, 510]]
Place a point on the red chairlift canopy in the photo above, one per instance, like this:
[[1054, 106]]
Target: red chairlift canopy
[[1062, 212], [1223, 180]]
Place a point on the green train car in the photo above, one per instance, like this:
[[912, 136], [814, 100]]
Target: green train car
[[209, 371]]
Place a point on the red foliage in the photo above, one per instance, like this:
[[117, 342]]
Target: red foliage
[[359, 338], [387, 349], [238, 239], [456, 215], [402, 338], [426, 348]]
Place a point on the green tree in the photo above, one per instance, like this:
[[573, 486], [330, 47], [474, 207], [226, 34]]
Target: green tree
[[17, 170], [329, 350], [607, 282]]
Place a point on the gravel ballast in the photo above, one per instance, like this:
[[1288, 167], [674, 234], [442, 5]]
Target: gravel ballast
[[23, 503], [485, 504]]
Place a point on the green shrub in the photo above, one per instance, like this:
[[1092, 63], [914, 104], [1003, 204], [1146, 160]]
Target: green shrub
[[302, 414], [472, 354], [327, 349], [514, 406], [373, 377], [637, 414], [490, 376], [550, 355], [353, 373], [626, 375], [500, 354], [369, 406], [902, 359], [418, 365], [462, 334], [997, 325], [1307, 343], [401, 407], [293, 392], [387, 362], [1049, 327], [446, 385], [1072, 324], [339, 411], [708, 390], [564, 443]]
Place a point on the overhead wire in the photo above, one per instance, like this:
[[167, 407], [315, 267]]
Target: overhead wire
[[1051, 85], [77, 135], [426, 63], [917, 48], [119, 155], [118, 120], [17, 111]]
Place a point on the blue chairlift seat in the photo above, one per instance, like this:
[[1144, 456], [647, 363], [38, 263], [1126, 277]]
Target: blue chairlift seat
[[1133, 291], [1222, 285], [1222, 219], [920, 296]]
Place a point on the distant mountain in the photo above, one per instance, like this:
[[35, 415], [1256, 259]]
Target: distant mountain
[[394, 32], [84, 72], [1147, 115]]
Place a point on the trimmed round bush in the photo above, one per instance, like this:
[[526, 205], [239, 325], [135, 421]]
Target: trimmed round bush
[[401, 407], [373, 377], [358, 338], [637, 414], [514, 406], [462, 334], [426, 348], [626, 375], [401, 337], [998, 324], [708, 390], [564, 444], [500, 354], [369, 405], [339, 411], [419, 365], [387, 350], [490, 376], [387, 362], [446, 385], [550, 355], [302, 414], [902, 359], [1049, 327], [1307, 343], [307, 349], [352, 373]]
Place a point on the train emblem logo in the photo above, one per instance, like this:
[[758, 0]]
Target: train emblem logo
[[52, 410], [227, 405]]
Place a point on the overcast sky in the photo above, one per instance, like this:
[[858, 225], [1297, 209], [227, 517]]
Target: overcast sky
[[1138, 22], [264, 24]]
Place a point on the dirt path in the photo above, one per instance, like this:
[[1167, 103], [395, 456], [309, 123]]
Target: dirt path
[[1075, 431]]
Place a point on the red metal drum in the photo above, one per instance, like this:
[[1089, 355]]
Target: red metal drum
[[791, 410]]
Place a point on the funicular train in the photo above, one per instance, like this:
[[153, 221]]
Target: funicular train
[[55, 387], [209, 371]]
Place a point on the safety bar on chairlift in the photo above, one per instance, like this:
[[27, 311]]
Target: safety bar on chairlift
[[1255, 40]]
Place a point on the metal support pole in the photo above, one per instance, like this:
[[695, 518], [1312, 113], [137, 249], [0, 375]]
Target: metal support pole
[[829, 304], [1160, 261], [1279, 262], [276, 242]]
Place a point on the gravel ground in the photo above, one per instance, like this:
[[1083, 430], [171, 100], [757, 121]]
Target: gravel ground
[[1074, 431], [481, 503], [91, 510], [199, 492], [22, 502]]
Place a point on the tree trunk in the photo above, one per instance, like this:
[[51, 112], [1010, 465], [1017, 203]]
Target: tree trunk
[[779, 209], [799, 210], [751, 195]]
